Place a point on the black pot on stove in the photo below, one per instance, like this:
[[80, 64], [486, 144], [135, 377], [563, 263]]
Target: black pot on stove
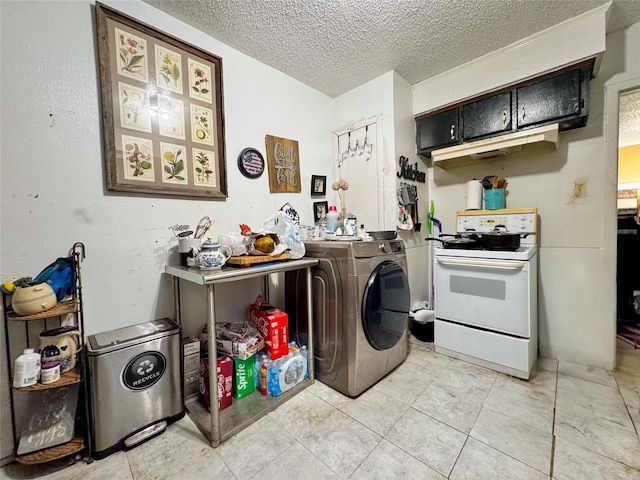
[[501, 239]]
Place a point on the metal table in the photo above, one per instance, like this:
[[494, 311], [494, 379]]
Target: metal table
[[215, 425]]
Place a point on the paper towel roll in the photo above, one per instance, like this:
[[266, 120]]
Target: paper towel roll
[[474, 195]]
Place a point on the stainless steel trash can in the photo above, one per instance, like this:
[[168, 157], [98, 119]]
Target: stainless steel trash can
[[135, 384]]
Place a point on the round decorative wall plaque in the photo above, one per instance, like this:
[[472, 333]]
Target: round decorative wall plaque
[[251, 163]]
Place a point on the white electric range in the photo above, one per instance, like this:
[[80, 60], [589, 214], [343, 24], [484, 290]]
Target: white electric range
[[486, 301]]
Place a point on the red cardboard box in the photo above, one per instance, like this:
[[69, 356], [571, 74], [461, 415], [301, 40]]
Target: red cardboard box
[[225, 382], [273, 325]]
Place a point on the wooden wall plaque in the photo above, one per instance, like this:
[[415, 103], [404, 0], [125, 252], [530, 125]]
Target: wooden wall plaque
[[283, 165]]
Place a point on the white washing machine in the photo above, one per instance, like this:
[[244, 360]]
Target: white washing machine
[[360, 311]]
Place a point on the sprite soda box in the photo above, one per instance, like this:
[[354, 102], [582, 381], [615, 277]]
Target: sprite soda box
[[243, 373]]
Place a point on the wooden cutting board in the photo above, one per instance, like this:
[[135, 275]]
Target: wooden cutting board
[[250, 260]]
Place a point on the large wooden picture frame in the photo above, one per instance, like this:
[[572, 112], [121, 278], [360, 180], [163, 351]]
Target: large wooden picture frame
[[162, 111]]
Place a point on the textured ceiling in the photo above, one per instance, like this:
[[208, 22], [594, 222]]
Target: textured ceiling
[[336, 45]]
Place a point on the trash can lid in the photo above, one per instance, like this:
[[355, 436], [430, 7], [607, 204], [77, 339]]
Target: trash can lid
[[126, 336]]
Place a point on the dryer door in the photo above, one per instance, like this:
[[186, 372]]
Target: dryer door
[[385, 305]]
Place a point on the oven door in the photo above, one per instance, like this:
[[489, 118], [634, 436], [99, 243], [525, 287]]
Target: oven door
[[497, 295]]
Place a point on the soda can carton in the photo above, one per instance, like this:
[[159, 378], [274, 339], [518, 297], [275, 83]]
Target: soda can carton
[[225, 382], [273, 324], [243, 372]]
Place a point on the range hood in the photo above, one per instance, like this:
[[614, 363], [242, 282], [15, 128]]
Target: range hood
[[496, 147]]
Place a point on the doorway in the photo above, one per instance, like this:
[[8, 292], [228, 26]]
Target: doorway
[[628, 220]]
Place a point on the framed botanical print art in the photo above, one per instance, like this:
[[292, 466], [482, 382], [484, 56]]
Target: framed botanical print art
[[162, 111]]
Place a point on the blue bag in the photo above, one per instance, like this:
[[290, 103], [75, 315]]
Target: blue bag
[[60, 276]]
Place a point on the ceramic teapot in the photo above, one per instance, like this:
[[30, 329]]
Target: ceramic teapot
[[60, 344], [212, 255]]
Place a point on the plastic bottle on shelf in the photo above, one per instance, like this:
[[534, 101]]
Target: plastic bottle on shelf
[[264, 377], [273, 378], [27, 369], [260, 360], [332, 219], [305, 354]]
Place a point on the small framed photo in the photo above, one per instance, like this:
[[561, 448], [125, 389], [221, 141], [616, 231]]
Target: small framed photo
[[320, 209], [318, 185]]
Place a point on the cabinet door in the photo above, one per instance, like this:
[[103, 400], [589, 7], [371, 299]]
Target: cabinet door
[[554, 99], [439, 130], [486, 117]]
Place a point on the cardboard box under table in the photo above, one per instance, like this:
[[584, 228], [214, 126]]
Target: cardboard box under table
[[225, 380], [238, 339], [191, 366], [272, 324]]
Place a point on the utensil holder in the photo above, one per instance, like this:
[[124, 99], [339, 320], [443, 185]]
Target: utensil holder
[[494, 199]]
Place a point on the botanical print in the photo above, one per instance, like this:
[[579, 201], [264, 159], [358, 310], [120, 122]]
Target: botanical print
[[134, 108], [132, 56], [201, 127], [199, 81], [170, 117], [137, 157], [204, 173], [168, 69], [173, 163]]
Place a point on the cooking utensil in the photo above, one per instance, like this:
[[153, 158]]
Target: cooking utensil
[[458, 241], [178, 229], [203, 227], [487, 182], [501, 239], [383, 234], [185, 234], [430, 217]]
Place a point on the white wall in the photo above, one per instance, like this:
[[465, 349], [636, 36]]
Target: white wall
[[577, 235], [387, 99], [52, 164], [51, 178]]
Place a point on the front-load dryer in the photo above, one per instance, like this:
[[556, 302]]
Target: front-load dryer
[[360, 296]]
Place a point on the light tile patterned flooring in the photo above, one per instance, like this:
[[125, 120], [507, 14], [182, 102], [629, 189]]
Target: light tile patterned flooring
[[434, 417]]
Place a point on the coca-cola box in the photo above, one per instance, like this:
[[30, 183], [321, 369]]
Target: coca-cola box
[[225, 382], [273, 324]]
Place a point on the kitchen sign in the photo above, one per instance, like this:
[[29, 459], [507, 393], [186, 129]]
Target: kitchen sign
[[284, 165], [410, 172]]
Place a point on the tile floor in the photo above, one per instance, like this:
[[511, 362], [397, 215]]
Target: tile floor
[[432, 418]]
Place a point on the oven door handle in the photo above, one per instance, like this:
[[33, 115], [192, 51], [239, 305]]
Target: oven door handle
[[511, 265]]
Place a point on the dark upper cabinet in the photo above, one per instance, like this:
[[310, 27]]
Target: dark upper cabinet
[[439, 130], [487, 117], [563, 98]]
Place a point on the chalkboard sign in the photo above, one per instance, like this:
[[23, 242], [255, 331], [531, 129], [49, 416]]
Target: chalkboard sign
[[49, 418]]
